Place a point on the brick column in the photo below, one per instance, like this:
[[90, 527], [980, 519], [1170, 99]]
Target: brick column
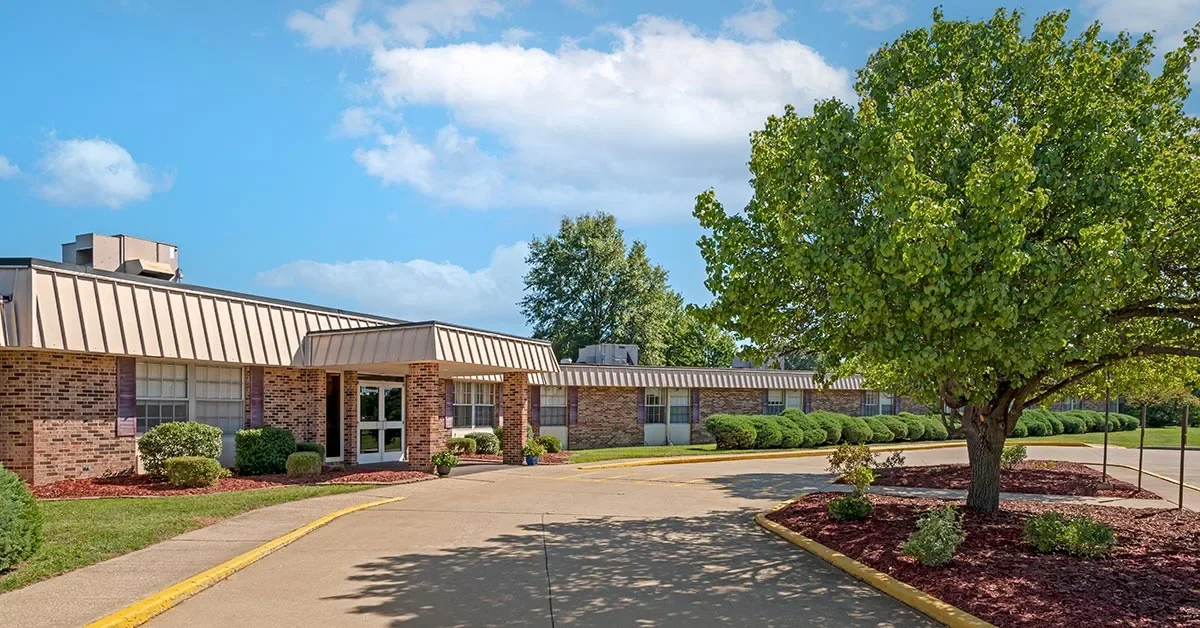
[[516, 415], [350, 416], [425, 421]]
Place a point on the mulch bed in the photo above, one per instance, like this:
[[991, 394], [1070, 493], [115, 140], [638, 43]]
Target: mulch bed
[[145, 486], [1151, 579], [562, 457], [1038, 477]]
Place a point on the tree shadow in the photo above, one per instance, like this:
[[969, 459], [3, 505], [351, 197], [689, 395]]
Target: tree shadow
[[773, 486], [709, 570]]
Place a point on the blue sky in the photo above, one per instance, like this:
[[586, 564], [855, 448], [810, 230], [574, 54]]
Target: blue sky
[[395, 156]]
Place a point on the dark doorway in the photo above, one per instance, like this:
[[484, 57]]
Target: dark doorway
[[333, 415]]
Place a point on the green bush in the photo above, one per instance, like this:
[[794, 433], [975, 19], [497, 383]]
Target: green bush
[[1072, 424], [792, 437], [935, 429], [264, 450], [194, 471], [897, 426], [939, 533], [855, 430], [1095, 420], [831, 422], [855, 464], [303, 463], [1056, 424], [767, 434], [462, 446], [814, 433], [551, 443], [852, 507], [1077, 536], [1012, 455], [1128, 422], [177, 438], [499, 432], [533, 449], [916, 426], [316, 448], [1019, 430], [20, 521], [1162, 414], [1036, 424], [879, 431], [485, 443], [731, 431]]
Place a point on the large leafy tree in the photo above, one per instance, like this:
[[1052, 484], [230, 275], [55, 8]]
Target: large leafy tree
[[1003, 215], [586, 286]]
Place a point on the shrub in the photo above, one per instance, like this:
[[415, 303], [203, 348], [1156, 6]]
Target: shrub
[[194, 471], [177, 438], [1019, 430], [1072, 424], [20, 521], [264, 450], [534, 449], [551, 443], [316, 448], [445, 458], [499, 432], [939, 533], [1035, 424], [462, 446], [935, 429], [792, 437], [731, 431], [1077, 536], [1056, 424], [303, 463], [1161, 414], [814, 433], [879, 431], [485, 442], [855, 430], [850, 508], [831, 422], [1012, 455], [1095, 420], [895, 460], [767, 434], [916, 426], [848, 461], [897, 426], [1128, 422]]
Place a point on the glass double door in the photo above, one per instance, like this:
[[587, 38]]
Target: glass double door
[[380, 422]]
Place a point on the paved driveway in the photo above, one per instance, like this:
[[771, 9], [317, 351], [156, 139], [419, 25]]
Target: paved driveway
[[650, 546]]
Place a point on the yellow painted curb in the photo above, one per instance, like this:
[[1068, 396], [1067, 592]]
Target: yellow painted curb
[[929, 605], [1152, 474], [147, 608]]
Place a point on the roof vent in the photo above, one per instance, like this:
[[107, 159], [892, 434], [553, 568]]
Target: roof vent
[[124, 254], [566, 361], [609, 354]]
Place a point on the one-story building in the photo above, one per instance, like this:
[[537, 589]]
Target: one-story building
[[100, 347]]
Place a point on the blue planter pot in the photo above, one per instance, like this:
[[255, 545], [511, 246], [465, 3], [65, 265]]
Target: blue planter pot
[[531, 460]]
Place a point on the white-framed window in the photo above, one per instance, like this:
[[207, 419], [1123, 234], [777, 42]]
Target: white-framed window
[[779, 400], [878, 403], [793, 400], [656, 406], [554, 406], [1114, 405], [474, 404], [178, 392], [679, 409], [1068, 404]]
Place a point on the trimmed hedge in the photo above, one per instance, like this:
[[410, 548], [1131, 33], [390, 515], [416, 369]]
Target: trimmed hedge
[[1072, 424], [485, 442], [856, 431], [731, 431], [194, 471], [175, 439], [935, 429], [897, 426], [316, 448], [879, 431], [20, 521], [303, 463], [767, 434], [550, 443], [831, 422], [814, 433], [264, 450], [916, 426], [462, 446]]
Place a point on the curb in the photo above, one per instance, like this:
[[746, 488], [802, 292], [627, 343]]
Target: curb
[[911, 596], [1152, 474], [156, 604]]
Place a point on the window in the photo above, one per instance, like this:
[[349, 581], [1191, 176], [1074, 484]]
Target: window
[[1068, 404], [554, 406], [780, 400], [877, 403], [474, 404], [775, 401], [794, 399], [176, 392], [162, 394], [680, 409], [219, 398], [1114, 405], [655, 406]]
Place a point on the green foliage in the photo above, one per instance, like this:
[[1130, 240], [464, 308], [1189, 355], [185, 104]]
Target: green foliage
[[534, 449], [303, 463], [855, 430], [792, 435], [462, 446], [177, 438], [1161, 414], [1012, 455], [551, 443], [854, 463], [935, 429], [1019, 430], [831, 422], [446, 458], [879, 431], [1077, 536], [194, 471], [691, 341], [854, 507], [264, 450], [499, 432], [20, 521], [316, 448], [485, 442], [916, 426], [1072, 424], [731, 431], [1128, 422], [897, 426], [767, 434], [939, 533], [895, 460]]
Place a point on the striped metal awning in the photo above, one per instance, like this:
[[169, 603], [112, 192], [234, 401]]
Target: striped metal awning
[[591, 375]]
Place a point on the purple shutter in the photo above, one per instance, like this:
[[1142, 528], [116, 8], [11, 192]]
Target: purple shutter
[[695, 405], [807, 401], [535, 406], [500, 401], [573, 405], [126, 397], [641, 401], [895, 404], [862, 408], [448, 411], [256, 396], [765, 398]]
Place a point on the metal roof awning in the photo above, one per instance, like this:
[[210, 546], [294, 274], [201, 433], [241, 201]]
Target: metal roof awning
[[459, 351], [591, 375]]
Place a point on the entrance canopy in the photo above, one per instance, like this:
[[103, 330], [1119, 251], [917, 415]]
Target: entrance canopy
[[459, 351]]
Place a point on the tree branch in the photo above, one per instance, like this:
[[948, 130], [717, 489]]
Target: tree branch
[[1095, 365], [1036, 399]]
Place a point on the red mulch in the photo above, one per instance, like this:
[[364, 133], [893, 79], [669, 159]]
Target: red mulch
[[1151, 579], [562, 457], [1039, 477], [145, 486]]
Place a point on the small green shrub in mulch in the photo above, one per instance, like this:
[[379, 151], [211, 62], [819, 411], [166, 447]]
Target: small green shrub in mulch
[[486, 443], [853, 507], [303, 463], [316, 448], [175, 439], [194, 471], [939, 533], [264, 450], [462, 446], [1076, 536], [20, 521]]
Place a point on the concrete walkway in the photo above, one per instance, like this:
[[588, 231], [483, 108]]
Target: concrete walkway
[[664, 545]]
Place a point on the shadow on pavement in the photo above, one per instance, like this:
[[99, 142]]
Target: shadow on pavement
[[773, 486], [717, 569]]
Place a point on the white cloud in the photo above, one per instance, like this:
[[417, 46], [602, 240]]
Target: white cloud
[[334, 28], [637, 129], [1170, 18], [416, 22], [515, 35], [418, 289], [876, 15], [96, 172], [759, 19], [357, 122], [7, 168]]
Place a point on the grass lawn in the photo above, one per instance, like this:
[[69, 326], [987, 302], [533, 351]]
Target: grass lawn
[[1155, 437], [84, 532]]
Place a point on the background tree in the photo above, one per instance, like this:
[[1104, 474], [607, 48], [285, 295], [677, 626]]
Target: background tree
[[1000, 217], [696, 342], [584, 286]]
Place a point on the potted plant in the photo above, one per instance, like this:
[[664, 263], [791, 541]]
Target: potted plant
[[532, 451], [444, 461]]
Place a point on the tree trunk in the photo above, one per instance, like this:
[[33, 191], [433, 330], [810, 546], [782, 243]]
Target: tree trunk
[[985, 435]]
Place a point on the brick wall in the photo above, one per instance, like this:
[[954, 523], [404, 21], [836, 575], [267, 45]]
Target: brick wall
[[350, 416], [607, 417], [425, 423], [295, 398], [515, 392], [908, 405], [58, 416], [848, 402]]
